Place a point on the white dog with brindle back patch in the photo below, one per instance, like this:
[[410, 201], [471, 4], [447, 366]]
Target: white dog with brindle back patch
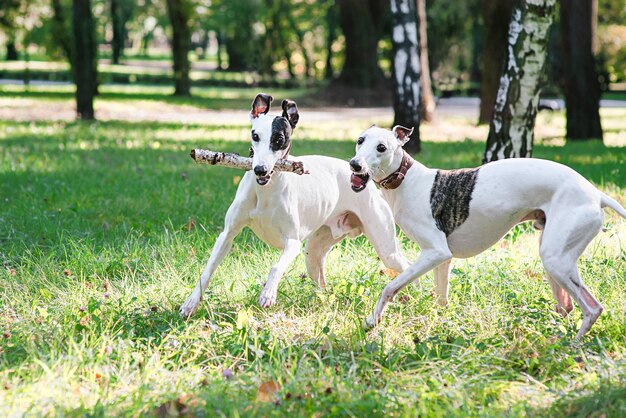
[[284, 209], [461, 213]]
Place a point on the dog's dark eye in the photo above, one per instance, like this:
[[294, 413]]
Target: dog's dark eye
[[360, 141], [381, 148], [255, 137]]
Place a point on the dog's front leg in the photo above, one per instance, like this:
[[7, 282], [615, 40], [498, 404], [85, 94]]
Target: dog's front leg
[[290, 252], [220, 249], [236, 218], [428, 259]]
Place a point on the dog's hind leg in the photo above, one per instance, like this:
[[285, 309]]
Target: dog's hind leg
[[316, 249], [564, 239], [290, 252], [442, 274], [563, 300]]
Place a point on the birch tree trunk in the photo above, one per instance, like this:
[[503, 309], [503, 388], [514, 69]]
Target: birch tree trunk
[[581, 87], [511, 129], [179, 11], [406, 69], [84, 58], [427, 100]]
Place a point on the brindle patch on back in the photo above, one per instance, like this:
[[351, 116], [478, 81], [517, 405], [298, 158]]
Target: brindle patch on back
[[450, 197]]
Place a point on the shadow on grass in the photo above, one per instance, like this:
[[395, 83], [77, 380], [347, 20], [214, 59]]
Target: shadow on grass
[[102, 192], [606, 400]]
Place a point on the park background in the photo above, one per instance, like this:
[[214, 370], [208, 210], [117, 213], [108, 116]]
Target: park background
[[105, 222]]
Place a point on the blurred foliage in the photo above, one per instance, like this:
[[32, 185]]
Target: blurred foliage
[[283, 39]]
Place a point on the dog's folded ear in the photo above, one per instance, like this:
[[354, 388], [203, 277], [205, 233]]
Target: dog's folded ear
[[403, 134], [261, 105], [290, 112]]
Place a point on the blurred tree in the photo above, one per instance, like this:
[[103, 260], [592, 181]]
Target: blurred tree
[[239, 19], [9, 10], [331, 36], [450, 29], [84, 58], [580, 80], [361, 22], [496, 16], [121, 12], [406, 69], [60, 32], [512, 127], [179, 12], [427, 101]]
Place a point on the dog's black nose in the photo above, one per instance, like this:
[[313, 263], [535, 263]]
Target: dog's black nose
[[355, 165], [260, 170]]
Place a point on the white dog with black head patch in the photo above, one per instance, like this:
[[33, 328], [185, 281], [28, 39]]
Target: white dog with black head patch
[[284, 209], [461, 213]]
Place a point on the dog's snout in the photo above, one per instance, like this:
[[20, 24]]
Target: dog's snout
[[354, 164], [260, 170]]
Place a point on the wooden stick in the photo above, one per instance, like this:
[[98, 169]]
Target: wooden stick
[[233, 160]]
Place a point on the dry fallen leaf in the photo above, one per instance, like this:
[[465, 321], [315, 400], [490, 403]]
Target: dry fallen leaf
[[13, 272], [67, 272], [236, 180], [389, 272], [267, 391], [191, 224]]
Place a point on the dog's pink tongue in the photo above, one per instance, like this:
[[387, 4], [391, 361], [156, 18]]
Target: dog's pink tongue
[[356, 181]]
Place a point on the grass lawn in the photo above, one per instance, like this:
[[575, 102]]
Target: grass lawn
[[104, 229]]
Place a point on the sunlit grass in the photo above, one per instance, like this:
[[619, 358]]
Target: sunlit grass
[[104, 229]]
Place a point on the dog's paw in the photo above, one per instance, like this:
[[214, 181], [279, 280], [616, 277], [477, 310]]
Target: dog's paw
[[190, 306], [267, 298], [369, 323]]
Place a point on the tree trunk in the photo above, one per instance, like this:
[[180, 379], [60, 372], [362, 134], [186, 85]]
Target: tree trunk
[[427, 102], [84, 58], [204, 43], [511, 129], [179, 11], [331, 25], [361, 22], [580, 85], [496, 17], [406, 69], [60, 33], [220, 45], [118, 23], [11, 51]]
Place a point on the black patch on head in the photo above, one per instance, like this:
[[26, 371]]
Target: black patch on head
[[450, 197], [281, 134]]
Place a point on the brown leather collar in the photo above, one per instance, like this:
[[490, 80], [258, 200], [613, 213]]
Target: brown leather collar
[[395, 179]]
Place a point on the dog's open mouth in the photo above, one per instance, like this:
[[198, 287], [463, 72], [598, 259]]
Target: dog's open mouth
[[263, 180], [358, 181]]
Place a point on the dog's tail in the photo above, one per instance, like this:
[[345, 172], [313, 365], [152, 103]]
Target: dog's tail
[[607, 200]]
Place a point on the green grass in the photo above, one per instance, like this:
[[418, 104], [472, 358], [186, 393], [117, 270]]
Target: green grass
[[105, 228]]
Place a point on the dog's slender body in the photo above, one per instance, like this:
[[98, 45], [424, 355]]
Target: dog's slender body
[[461, 213], [284, 209]]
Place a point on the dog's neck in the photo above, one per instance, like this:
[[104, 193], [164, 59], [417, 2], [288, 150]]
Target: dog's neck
[[402, 161]]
